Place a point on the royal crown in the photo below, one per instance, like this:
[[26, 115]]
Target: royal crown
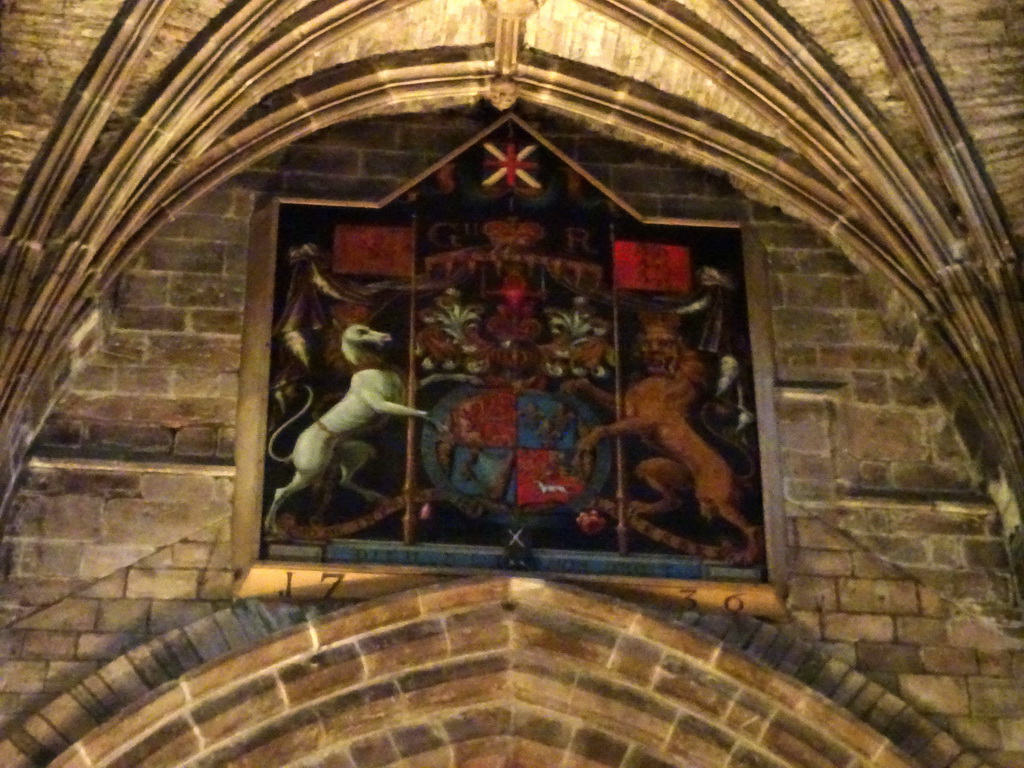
[[511, 232]]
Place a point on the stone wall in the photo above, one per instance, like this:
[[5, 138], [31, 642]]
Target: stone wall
[[119, 532], [485, 673], [163, 382]]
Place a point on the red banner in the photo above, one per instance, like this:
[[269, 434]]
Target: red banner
[[372, 250], [652, 267]]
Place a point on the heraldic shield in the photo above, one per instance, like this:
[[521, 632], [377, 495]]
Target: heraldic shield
[[506, 454]]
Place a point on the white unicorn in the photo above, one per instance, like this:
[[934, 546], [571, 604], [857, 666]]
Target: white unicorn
[[375, 393]]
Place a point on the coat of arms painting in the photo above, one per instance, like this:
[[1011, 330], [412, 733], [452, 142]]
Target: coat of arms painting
[[503, 369]]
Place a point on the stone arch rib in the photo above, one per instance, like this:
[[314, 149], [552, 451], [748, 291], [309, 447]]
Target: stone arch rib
[[50, 268], [99, 256], [968, 291], [459, 674]]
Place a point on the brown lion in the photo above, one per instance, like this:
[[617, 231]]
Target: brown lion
[[657, 408]]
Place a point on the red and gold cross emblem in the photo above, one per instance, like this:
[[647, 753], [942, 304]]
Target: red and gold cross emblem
[[512, 164]]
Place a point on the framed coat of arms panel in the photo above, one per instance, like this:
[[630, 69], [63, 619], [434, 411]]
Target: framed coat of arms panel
[[500, 368]]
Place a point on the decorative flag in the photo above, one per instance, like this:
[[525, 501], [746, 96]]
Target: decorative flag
[[512, 165], [372, 250], [652, 267]]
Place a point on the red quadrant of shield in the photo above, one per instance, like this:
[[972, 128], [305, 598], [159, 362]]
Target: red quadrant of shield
[[486, 419], [542, 478]]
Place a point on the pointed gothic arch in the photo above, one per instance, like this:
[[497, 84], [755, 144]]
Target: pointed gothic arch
[[495, 672]]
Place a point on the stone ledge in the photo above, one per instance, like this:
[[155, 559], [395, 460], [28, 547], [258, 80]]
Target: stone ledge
[[77, 462]]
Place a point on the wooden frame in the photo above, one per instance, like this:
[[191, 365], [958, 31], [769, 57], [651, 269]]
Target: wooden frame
[[289, 578]]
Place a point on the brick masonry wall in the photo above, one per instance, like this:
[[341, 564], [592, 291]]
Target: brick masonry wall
[[34, 81], [897, 560], [163, 381]]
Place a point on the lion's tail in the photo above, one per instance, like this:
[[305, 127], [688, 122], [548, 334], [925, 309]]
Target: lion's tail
[[736, 445]]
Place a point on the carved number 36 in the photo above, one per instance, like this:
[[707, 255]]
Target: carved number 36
[[732, 603]]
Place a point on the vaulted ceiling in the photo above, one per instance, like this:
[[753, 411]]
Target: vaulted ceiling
[[894, 128]]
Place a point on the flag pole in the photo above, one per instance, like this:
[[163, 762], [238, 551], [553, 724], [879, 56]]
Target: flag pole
[[409, 489], [622, 528]]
